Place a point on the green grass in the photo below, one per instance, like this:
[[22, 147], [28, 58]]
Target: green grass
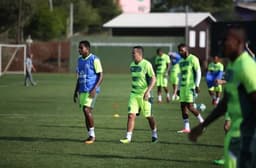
[[41, 127]]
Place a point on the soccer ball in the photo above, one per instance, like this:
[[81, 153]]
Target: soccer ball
[[200, 106]]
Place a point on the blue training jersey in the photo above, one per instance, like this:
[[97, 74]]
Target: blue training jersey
[[175, 58], [87, 75]]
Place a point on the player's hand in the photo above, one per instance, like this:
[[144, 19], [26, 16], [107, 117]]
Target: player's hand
[[92, 93], [146, 96], [195, 133], [75, 96], [197, 89]]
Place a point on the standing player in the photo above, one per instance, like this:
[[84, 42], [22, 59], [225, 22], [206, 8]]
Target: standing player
[[89, 78], [175, 73], [190, 79], [162, 63], [29, 67], [239, 100], [214, 73], [140, 101]]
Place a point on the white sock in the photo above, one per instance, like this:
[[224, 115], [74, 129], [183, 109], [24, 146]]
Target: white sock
[[217, 100], [213, 97], [129, 136], [154, 133], [91, 132], [186, 124], [200, 118], [168, 95], [159, 98]]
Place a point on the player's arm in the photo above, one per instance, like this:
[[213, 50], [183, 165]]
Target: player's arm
[[150, 87], [198, 75], [99, 72], [75, 95], [33, 68], [215, 114], [168, 66], [151, 74]]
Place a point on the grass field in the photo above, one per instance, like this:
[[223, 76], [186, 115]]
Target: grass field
[[41, 127]]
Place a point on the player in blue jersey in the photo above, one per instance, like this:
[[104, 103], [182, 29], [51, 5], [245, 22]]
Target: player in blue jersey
[[175, 73], [89, 78], [214, 73]]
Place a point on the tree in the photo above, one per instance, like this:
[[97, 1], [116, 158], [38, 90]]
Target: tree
[[47, 25]]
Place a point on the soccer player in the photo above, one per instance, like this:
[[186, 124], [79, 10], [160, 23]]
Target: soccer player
[[175, 74], [162, 63], [239, 100], [190, 79], [214, 73], [29, 68], [89, 78], [140, 101]]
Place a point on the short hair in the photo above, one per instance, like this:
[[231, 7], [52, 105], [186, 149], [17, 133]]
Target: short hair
[[158, 50], [237, 31], [85, 43], [140, 48], [181, 45]]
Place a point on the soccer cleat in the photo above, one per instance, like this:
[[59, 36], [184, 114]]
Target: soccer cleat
[[154, 140], [219, 162], [184, 131], [89, 140], [125, 141]]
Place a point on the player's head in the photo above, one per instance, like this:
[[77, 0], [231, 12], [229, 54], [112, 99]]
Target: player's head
[[84, 47], [159, 51], [137, 53], [183, 50], [234, 42], [216, 58]]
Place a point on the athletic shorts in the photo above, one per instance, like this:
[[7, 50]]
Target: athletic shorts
[[187, 95], [137, 105], [161, 80], [217, 88], [175, 74], [86, 100], [174, 78], [231, 151]]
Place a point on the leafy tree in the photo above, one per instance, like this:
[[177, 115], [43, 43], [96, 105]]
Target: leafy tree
[[46, 24]]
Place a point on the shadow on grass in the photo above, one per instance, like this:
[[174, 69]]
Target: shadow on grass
[[191, 144], [97, 128], [132, 158], [36, 139]]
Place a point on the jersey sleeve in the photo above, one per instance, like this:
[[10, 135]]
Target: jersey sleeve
[[248, 77], [150, 70], [97, 66], [167, 58]]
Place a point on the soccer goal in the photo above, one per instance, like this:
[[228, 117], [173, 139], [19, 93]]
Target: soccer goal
[[12, 58]]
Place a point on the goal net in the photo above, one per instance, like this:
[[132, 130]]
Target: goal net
[[12, 58]]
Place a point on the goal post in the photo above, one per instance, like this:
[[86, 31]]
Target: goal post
[[12, 58]]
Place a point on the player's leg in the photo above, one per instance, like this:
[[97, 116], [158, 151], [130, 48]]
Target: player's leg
[[212, 94], [164, 84], [167, 94], [26, 79], [133, 108], [159, 94], [31, 78], [195, 112], [87, 104], [185, 117], [218, 90], [147, 112]]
